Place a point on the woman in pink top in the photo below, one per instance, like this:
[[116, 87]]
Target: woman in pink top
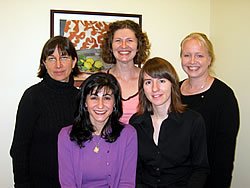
[[130, 48]]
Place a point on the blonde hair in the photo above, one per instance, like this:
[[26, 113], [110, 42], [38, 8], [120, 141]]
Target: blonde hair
[[204, 41]]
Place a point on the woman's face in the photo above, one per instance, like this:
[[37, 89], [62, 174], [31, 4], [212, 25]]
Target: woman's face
[[157, 91], [100, 106], [195, 59], [59, 66], [124, 45]]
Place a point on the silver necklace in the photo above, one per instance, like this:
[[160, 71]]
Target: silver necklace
[[202, 86]]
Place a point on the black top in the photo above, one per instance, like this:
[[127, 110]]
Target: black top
[[220, 110], [43, 110], [180, 158]]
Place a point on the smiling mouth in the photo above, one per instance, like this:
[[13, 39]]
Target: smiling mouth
[[124, 52], [193, 68], [100, 112], [156, 96]]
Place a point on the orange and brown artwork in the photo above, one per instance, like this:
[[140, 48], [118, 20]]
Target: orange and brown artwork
[[85, 34]]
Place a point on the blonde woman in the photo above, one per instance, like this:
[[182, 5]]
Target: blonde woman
[[215, 101]]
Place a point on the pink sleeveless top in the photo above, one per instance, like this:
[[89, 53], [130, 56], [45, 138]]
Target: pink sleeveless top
[[129, 106]]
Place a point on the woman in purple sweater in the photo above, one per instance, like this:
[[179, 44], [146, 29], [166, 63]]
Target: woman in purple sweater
[[98, 150]]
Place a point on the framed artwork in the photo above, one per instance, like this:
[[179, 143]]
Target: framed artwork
[[85, 30]]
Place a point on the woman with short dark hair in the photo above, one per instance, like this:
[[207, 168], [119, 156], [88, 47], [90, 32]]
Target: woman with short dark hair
[[43, 110]]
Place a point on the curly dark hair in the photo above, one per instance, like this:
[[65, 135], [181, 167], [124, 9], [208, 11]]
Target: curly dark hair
[[82, 128], [142, 38], [65, 47]]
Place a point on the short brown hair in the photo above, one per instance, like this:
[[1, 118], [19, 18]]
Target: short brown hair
[[65, 46]]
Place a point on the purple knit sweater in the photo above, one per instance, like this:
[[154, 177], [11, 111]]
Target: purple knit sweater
[[113, 166]]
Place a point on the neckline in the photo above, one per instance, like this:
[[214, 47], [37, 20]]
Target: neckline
[[202, 85], [130, 97], [58, 86], [201, 93]]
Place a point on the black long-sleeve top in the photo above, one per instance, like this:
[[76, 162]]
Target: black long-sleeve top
[[180, 158], [43, 110], [219, 108]]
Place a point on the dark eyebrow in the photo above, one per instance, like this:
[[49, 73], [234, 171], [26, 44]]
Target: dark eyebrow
[[96, 94]]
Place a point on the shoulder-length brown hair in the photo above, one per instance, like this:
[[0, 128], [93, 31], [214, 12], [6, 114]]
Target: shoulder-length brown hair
[[65, 47], [142, 38], [160, 68]]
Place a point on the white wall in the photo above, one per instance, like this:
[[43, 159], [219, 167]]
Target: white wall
[[230, 31], [25, 27]]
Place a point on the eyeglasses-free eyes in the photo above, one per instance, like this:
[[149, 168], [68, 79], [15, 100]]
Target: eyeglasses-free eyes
[[62, 59]]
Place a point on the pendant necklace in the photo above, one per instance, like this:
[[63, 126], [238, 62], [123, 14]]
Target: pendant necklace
[[97, 147], [202, 86]]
